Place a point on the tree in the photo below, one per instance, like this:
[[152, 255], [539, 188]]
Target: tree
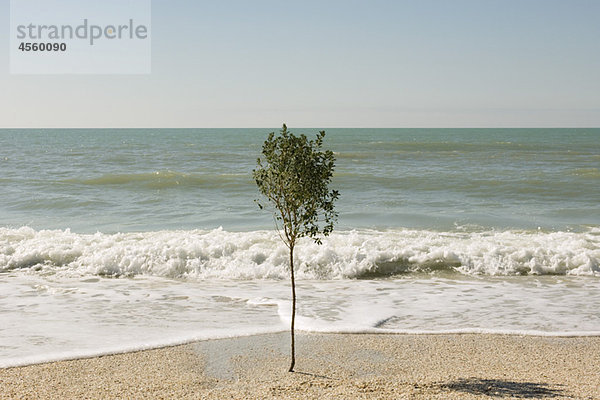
[[295, 177]]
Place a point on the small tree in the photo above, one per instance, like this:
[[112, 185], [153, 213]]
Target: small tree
[[295, 177]]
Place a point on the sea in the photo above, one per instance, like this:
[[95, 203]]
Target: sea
[[115, 240]]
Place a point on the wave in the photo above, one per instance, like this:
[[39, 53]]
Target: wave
[[591, 173], [362, 254], [164, 179]]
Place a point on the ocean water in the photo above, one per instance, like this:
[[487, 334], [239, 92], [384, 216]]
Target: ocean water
[[118, 239]]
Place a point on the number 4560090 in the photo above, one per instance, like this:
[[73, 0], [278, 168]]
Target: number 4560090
[[42, 46]]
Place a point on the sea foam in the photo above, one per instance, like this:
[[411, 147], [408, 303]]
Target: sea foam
[[199, 254]]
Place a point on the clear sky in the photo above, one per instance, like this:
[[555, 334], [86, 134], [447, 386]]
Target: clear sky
[[336, 63]]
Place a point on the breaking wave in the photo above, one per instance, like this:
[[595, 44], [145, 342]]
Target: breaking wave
[[199, 254]]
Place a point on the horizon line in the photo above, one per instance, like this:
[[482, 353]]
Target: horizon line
[[314, 127]]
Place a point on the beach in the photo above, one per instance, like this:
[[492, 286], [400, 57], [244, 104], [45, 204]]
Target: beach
[[362, 366], [452, 272], [410, 186]]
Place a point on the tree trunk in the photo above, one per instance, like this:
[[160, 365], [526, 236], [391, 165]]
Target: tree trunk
[[293, 307]]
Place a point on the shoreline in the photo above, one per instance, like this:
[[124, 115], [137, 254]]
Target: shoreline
[[74, 355], [328, 365]]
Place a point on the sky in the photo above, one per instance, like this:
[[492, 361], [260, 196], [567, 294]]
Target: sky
[[335, 63]]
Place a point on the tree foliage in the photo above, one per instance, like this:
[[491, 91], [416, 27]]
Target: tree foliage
[[294, 176]]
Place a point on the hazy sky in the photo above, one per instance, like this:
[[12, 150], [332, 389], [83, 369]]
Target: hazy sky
[[329, 63]]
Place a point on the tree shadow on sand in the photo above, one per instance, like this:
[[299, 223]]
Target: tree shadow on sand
[[502, 388]]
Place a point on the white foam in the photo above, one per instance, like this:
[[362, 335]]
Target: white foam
[[54, 316], [198, 255]]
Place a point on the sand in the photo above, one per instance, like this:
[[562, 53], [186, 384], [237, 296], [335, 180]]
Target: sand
[[329, 366]]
